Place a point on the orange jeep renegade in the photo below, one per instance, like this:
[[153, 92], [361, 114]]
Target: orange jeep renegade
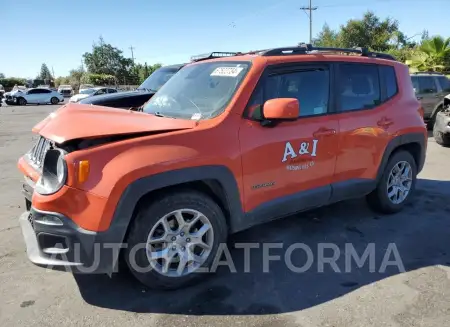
[[226, 144]]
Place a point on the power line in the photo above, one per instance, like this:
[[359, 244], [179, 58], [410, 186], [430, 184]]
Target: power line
[[310, 8]]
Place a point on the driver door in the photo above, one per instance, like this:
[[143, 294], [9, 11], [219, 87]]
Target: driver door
[[288, 167]]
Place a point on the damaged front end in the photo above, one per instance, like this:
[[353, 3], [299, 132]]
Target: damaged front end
[[441, 129]]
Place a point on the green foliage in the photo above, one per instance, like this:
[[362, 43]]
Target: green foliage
[[2, 75], [11, 81], [369, 32], [433, 54], [108, 60], [45, 73], [98, 79], [327, 38], [144, 71]]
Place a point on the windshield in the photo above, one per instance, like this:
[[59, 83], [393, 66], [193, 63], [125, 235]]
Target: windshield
[[198, 91], [87, 91], [157, 79]]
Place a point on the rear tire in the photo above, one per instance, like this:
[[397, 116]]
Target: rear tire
[[157, 221], [387, 198], [54, 100], [21, 102]]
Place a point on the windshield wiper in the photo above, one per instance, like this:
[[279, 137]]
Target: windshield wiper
[[158, 114]]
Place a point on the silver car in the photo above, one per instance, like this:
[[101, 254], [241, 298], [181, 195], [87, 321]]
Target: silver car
[[35, 96]]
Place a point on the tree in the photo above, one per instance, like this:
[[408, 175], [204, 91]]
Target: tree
[[106, 59], [2, 75], [432, 55], [45, 73], [75, 76], [327, 38], [369, 32]]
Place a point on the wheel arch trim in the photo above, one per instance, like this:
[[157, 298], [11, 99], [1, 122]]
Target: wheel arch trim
[[399, 141]]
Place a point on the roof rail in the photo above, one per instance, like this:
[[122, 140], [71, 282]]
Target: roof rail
[[309, 48], [212, 55]]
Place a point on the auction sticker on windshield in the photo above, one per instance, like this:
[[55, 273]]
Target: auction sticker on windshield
[[227, 71]]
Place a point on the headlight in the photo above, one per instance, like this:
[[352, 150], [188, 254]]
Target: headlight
[[54, 173]]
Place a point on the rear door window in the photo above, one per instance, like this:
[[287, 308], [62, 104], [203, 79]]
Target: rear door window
[[359, 87]]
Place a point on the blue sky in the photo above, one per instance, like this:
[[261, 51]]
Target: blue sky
[[59, 32]]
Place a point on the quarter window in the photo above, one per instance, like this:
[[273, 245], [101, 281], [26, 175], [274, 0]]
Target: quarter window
[[359, 87], [387, 74]]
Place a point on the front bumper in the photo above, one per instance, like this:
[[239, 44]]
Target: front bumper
[[66, 246], [442, 123]]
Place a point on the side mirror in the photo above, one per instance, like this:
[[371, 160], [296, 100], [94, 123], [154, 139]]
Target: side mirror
[[281, 109]]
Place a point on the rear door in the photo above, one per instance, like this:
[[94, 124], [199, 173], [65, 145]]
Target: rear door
[[44, 96], [289, 167], [427, 92], [365, 121]]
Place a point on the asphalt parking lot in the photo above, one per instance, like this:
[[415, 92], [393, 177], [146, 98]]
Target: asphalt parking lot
[[420, 296]]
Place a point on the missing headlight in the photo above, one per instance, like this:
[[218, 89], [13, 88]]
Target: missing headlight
[[54, 172]]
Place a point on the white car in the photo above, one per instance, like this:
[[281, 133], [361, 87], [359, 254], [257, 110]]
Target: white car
[[66, 90], [91, 92], [34, 96], [85, 87]]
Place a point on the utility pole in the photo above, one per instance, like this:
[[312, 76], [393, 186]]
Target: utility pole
[[310, 8], [132, 53]]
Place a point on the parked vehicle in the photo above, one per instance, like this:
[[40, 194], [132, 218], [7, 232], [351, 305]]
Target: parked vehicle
[[2, 92], [441, 128], [34, 96], [225, 144], [431, 88], [66, 90], [86, 93], [16, 89], [135, 99], [85, 87]]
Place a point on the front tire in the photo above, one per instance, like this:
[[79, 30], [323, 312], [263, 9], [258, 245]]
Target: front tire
[[173, 237], [54, 100], [396, 185], [21, 102]]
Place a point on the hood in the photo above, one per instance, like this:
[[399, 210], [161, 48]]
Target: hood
[[78, 97], [114, 96], [78, 121]]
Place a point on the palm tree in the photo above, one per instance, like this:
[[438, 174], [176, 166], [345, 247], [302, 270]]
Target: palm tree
[[431, 55]]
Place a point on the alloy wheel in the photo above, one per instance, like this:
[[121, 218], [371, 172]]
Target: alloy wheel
[[399, 182], [180, 243]]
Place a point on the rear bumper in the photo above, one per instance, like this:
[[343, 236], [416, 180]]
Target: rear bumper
[[65, 246]]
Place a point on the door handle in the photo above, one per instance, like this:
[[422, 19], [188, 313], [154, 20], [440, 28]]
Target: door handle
[[385, 122], [324, 132]]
